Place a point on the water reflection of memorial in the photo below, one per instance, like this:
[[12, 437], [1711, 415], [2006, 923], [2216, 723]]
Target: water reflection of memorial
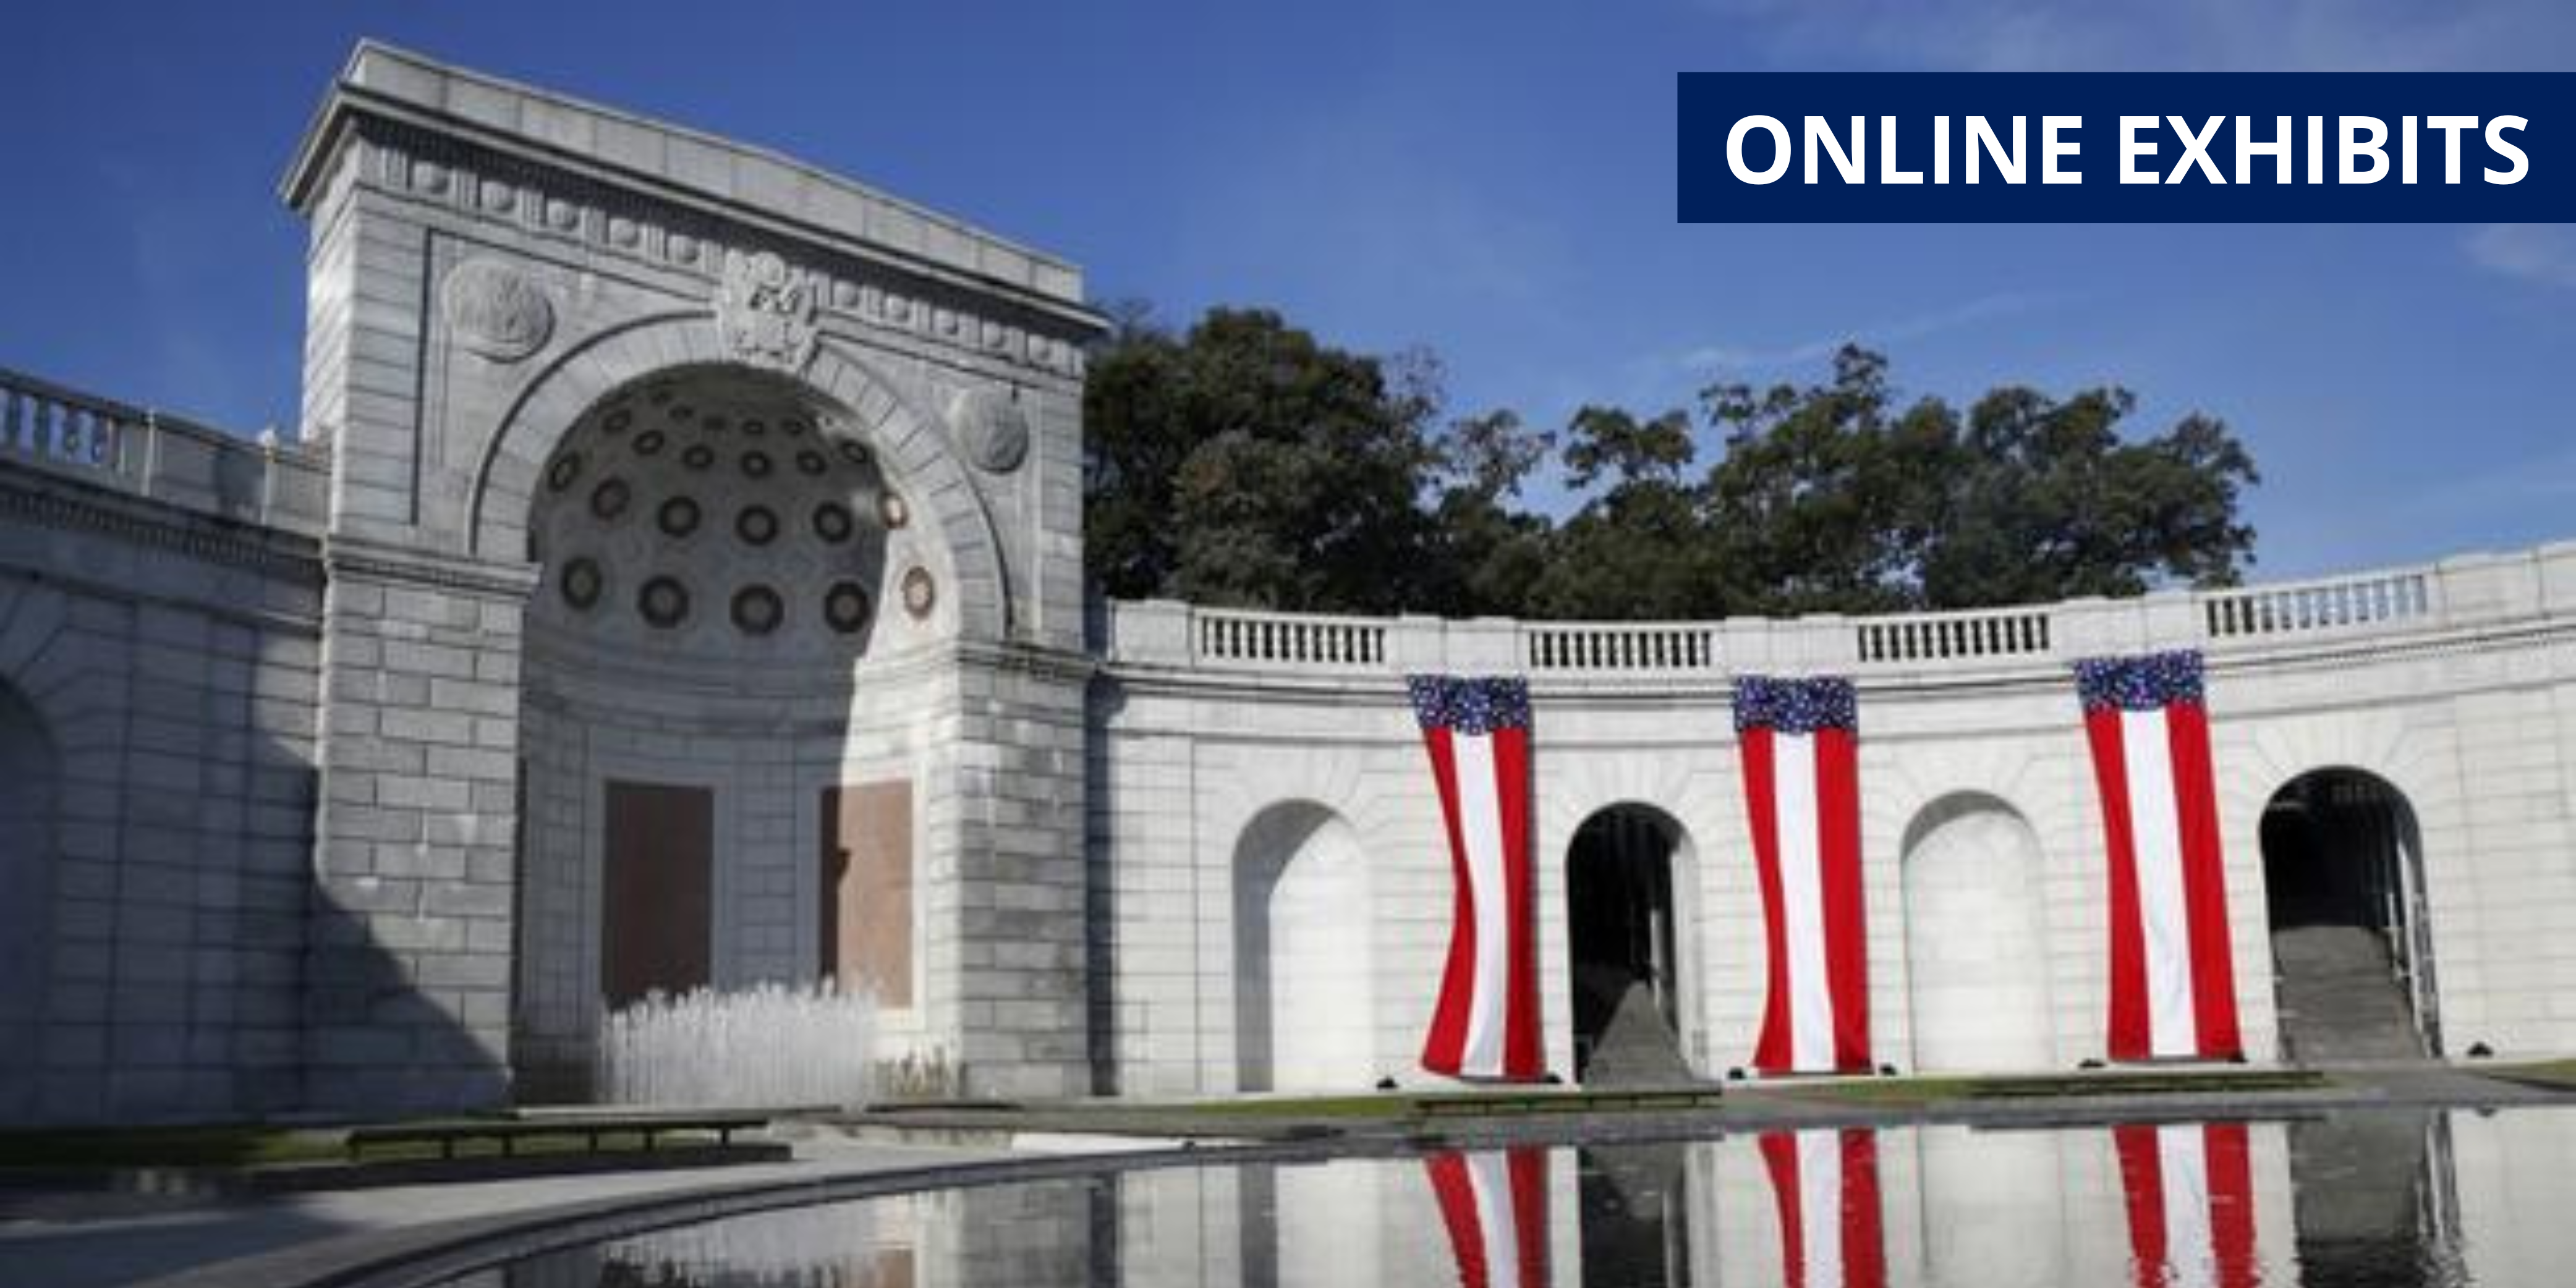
[[2395, 1197]]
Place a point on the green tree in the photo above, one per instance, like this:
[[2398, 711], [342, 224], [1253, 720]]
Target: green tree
[[1832, 497], [2051, 503], [1486, 553], [1826, 494], [1638, 547], [1244, 463]]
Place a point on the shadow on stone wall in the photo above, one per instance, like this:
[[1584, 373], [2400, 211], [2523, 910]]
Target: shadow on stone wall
[[1100, 889], [385, 1034], [167, 926]]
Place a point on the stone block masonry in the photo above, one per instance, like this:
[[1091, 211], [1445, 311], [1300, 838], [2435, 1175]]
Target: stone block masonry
[[159, 674], [408, 979]]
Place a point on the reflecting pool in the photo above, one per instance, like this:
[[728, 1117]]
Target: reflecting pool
[[2357, 1198]]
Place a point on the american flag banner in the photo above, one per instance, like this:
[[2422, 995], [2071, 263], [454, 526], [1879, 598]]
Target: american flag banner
[[2189, 1189], [2173, 976], [1832, 1232], [1494, 1205], [1800, 746], [1477, 730]]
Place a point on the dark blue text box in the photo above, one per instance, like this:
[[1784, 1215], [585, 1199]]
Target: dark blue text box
[[1710, 103]]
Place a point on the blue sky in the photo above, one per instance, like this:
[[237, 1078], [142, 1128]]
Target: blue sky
[[1492, 181]]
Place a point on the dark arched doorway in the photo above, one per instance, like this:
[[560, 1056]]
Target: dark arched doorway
[[2343, 877], [1625, 967]]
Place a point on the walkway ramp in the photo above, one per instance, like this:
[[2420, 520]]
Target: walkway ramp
[[2340, 996], [1638, 1048]]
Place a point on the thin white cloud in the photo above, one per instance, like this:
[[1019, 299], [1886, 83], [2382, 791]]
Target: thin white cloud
[[2543, 253], [1971, 313], [2530, 494], [2183, 35]]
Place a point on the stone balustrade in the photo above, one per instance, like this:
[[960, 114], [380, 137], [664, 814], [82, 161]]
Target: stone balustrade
[[161, 458], [1941, 637], [2340, 604], [2463, 595], [1654, 647], [1226, 637]]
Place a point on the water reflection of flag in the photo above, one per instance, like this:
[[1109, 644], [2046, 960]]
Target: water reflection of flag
[[1495, 1207], [1799, 742], [1826, 1183], [1478, 734], [2190, 1195], [2173, 978]]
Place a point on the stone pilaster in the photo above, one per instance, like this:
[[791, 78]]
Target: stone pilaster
[[1021, 1002], [407, 994]]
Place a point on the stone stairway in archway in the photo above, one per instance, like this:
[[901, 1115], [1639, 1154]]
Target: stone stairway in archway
[[2340, 999], [1637, 1047]]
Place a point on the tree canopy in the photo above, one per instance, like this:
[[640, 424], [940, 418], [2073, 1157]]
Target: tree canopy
[[1243, 462]]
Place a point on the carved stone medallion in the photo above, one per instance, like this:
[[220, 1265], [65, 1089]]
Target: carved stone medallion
[[992, 429], [765, 310], [496, 311]]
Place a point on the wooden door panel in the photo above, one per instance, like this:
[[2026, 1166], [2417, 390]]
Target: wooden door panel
[[866, 862], [658, 890]]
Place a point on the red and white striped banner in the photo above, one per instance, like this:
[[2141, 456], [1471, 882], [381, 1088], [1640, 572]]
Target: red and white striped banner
[[2190, 1195], [1800, 746], [1831, 1230], [1478, 733], [2173, 976], [1495, 1207]]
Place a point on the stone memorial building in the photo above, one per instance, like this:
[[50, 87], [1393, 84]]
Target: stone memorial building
[[676, 578]]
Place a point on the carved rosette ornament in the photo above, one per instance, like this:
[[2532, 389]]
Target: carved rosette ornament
[[992, 429], [920, 593], [496, 311], [765, 310]]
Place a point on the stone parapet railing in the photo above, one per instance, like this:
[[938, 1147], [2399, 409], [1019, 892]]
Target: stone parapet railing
[[127, 449], [1943, 637], [1619, 646], [2465, 595], [1232, 638], [2303, 607]]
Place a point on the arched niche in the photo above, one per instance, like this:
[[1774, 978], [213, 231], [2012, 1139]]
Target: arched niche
[[1304, 972], [1975, 935], [722, 697]]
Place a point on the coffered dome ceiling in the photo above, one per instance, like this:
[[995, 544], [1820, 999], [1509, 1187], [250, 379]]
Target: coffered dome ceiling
[[715, 511]]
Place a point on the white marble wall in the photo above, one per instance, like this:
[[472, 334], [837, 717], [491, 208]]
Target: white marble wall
[[2466, 704]]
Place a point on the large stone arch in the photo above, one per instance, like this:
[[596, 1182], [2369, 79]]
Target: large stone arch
[[906, 438], [1304, 968], [1979, 987]]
